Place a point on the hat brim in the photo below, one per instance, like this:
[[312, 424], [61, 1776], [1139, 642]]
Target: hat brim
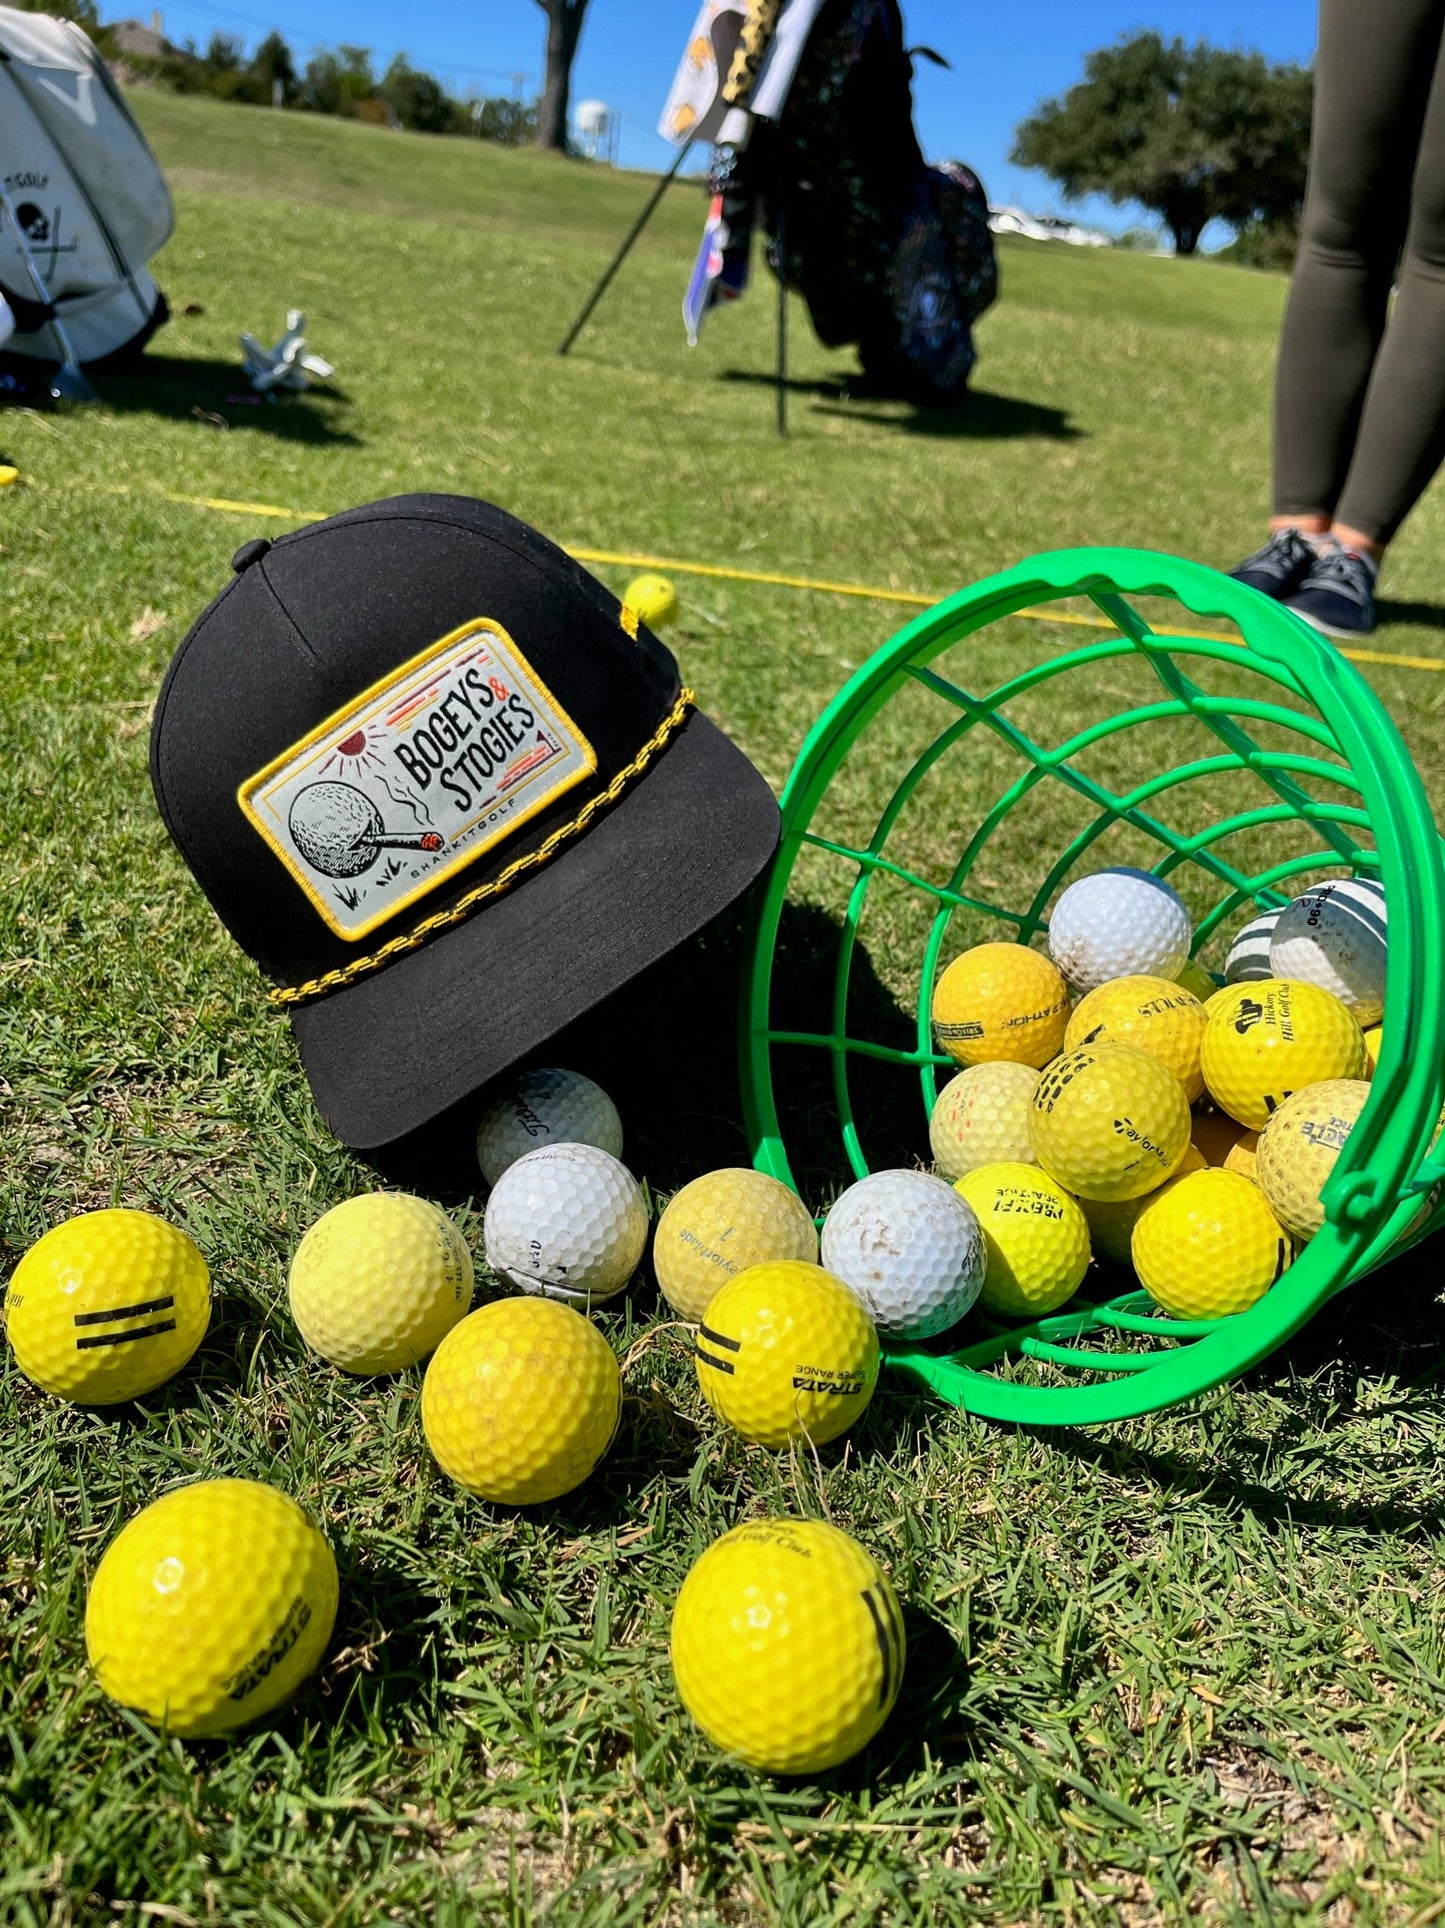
[[389, 1053]]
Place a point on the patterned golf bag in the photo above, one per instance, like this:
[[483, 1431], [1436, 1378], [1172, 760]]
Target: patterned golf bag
[[887, 251]]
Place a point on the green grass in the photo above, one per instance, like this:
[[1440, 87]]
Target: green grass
[[1191, 1665]]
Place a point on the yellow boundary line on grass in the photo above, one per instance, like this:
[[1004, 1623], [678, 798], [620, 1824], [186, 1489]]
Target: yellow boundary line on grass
[[222, 505]]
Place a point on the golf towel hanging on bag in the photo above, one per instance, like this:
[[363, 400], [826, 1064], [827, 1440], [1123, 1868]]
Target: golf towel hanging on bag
[[84, 205]]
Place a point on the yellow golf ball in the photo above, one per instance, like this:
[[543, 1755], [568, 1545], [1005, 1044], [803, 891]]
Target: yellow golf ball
[[1196, 980], [788, 1645], [1223, 1141], [1374, 1037], [379, 1281], [1153, 1015], [521, 1401], [721, 1224], [787, 1353], [107, 1306], [211, 1607], [1001, 1001], [652, 599], [1207, 1245], [1109, 1121], [1299, 1146], [981, 1117], [1038, 1242], [1272, 1039], [1111, 1222]]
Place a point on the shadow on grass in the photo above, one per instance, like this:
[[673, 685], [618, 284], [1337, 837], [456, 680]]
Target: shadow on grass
[[665, 1048], [212, 392], [978, 415], [1415, 615]]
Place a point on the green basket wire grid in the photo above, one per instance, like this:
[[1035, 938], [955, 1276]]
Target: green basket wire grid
[[1121, 1357]]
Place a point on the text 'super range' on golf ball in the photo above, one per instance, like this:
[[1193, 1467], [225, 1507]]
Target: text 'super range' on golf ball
[[1334, 935], [107, 1306], [1207, 1246], [910, 1247], [521, 1400], [788, 1645], [1248, 959], [1000, 1001], [568, 1222], [1151, 1013], [1109, 1121], [981, 1117], [787, 1353], [1299, 1146], [718, 1226], [1270, 1039], [211, 1607], [1111, 1222], [1118, 923], [1036, 1239], [545, 1107], [379, 1281]]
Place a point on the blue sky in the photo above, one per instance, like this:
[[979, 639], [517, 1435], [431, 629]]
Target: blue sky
[[1005, 59]]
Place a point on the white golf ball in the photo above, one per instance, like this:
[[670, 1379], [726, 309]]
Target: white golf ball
[[546, 1107], [566, 1222], [1333, 935], [1248, 959], [910, 1248], [1119, 923]]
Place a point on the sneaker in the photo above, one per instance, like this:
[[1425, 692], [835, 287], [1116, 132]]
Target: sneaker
[[1280, 566], [1338, 594]]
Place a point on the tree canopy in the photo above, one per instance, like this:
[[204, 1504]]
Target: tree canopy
[[1193, 133]]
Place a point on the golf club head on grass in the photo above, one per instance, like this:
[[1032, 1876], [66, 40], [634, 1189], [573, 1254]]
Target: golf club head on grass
[[69, 386]]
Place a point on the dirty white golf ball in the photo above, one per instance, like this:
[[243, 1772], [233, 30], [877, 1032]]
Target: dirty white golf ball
[[379, 1281], [566, 1222], [1119, 923], [1248, 959], [546, 1107], [1333, 935], [910, 1248]]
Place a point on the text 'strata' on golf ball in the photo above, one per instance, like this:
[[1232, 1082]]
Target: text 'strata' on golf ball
[[1119, 923], [1248, 959], [787, 1353], [568, 1222], [1000, 1001], [1111, 1221], [107, 1306], [1109, 1121], [652, 599], [1298, 1148], [521, 1401], [910, 1247], [1207, 1246], [1334, 935], [981, 1117], [721, 1224], [1153, 1014], [379, 1281], [211, 1607], [548, 1106], [788, 1645], [1271, 1039], [1035, 1236]]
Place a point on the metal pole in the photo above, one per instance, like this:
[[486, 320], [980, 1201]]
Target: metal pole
[[69, 383], [622, 253]]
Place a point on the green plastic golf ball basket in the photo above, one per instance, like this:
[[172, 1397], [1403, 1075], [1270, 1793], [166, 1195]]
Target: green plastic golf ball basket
[[1240, 767]]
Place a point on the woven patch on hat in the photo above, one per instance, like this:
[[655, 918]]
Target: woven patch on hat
[[392, 795]]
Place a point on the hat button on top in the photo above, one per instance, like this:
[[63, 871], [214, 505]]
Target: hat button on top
[[248, 553]]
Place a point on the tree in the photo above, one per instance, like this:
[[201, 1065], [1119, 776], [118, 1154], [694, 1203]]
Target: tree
[[273, 62], [564, 30], [338, 83], [417, 100], [1193, 133]]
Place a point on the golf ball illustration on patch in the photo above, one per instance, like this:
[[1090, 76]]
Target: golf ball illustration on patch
[[422, 773]]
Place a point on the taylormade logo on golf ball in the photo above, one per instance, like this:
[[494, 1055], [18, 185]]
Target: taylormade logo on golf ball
[[427, 769]]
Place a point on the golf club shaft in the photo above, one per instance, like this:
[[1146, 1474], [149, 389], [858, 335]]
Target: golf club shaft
[[32, 267]]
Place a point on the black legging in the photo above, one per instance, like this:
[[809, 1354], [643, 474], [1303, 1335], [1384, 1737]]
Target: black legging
[[1359, 424]]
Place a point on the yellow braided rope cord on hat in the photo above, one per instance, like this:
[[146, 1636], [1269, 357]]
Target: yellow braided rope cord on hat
[[458, 912]]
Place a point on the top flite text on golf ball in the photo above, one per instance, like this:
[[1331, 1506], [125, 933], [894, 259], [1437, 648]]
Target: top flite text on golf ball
[[248, 1678], [1029, 1204]]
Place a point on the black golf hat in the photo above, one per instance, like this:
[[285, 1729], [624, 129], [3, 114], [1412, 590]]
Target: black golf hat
[[446, 792]]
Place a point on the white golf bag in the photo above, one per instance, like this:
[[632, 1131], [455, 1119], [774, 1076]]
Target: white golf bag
[[85, 192]]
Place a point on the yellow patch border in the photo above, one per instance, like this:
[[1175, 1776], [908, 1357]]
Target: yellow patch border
[[518, 664]]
